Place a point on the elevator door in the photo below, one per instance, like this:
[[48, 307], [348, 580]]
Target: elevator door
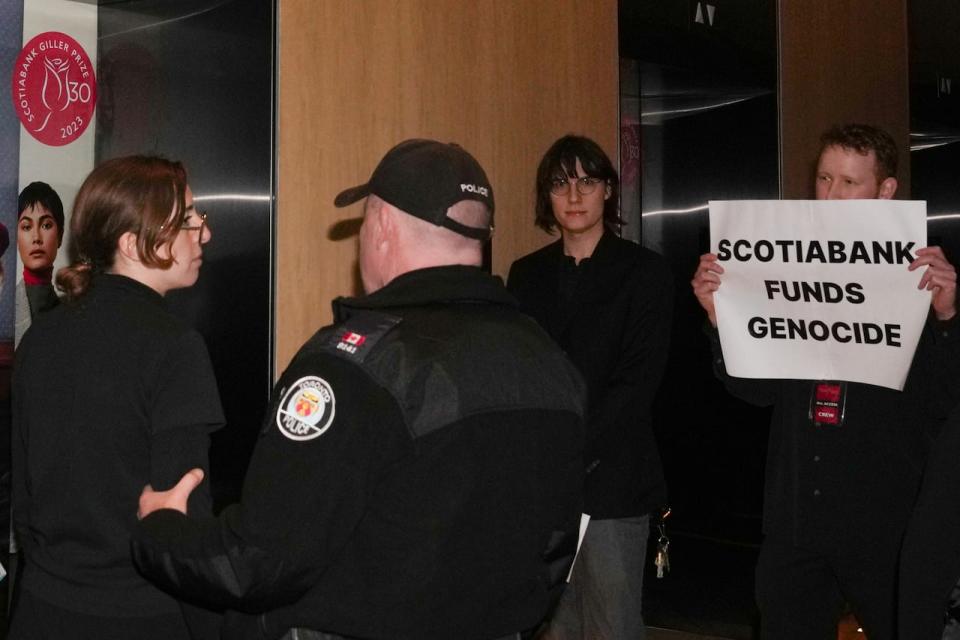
[[699, 104], [192, 80]]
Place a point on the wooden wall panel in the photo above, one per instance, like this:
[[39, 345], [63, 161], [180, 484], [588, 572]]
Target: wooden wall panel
[[503, 78], [842, 61]]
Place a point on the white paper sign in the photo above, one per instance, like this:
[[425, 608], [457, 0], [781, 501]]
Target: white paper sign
[[819, 290]]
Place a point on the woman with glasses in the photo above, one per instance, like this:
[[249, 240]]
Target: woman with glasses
[[111, 393], [608, 303]]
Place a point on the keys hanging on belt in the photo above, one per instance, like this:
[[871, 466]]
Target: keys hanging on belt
[[662, 559]]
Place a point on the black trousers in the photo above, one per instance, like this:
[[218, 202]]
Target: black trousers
[[36, 619], [802, 593]]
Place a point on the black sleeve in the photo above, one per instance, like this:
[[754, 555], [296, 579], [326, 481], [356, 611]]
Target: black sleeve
[[935, 372], [184, 411], [756, 391], [19, 496], [644, 347], [516, 279], [306, 489], [23, 383]]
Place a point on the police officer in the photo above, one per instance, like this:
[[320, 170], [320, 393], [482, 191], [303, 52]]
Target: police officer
[[419, 473]]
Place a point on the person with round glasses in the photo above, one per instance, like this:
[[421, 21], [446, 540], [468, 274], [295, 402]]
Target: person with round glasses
[[608, 303], [111, 392]]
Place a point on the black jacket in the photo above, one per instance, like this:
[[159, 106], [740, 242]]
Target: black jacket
[[616, 330], [110, 393], [855, 483], [417, 477]]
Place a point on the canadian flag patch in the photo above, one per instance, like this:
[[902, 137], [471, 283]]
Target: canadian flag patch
[[354, 338]]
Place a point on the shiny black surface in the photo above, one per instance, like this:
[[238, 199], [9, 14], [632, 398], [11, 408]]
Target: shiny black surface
[[705, 100], [935, 118], [192, 80]]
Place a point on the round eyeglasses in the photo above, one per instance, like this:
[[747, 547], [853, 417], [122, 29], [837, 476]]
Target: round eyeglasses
[[585, 185]]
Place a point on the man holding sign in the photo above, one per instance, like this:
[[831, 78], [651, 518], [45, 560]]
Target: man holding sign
[[844, 457]]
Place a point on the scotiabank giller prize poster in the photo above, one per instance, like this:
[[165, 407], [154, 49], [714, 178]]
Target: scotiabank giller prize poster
[[54, 88]]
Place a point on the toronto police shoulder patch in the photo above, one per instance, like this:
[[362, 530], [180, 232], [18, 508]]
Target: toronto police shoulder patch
[[307, 409]]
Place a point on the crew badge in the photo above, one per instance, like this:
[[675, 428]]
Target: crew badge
[[307, 409]]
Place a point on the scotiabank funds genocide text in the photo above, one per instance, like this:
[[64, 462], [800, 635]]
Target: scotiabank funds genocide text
[[818, 252]]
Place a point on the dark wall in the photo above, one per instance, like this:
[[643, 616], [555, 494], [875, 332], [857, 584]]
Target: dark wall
[[193, 80]]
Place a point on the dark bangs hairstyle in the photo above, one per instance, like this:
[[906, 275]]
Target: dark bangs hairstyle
[[40, 193], [560, 160], [145, 195], [863, 139]]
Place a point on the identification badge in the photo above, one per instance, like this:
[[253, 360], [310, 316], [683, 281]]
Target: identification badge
[[827, 403]]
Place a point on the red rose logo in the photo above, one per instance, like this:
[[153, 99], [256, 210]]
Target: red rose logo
[[54, 88]]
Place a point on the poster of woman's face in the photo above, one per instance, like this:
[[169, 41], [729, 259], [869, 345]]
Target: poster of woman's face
[[39, 234], [39, 230], [38, 238]]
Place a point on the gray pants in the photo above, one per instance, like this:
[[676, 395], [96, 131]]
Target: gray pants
[[603, 599]]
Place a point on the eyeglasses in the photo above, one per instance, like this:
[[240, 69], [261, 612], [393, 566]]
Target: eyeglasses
[[585, 185], [192, 227], [203, 222]]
